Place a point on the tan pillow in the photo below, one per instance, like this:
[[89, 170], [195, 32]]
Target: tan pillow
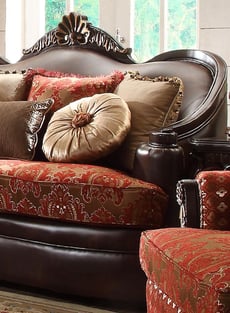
[[154, 103], [87, 129], [13, 87], [19, 127]]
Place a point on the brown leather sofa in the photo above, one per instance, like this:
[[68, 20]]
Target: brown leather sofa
[[100, 261]]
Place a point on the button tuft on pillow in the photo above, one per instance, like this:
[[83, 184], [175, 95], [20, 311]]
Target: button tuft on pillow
[[81, 119]]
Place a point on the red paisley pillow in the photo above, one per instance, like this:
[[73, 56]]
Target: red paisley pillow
[[31, 72], [65, 90]]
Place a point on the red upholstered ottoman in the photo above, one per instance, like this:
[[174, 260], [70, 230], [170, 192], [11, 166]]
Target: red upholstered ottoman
[[188, 270]]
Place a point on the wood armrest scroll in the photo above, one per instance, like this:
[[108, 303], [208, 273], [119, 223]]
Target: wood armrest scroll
[[188, 198]]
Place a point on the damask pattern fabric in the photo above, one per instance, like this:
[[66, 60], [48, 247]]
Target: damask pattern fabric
[[188, 270], [31, 72], [79, 193], [65, 90], [215, 199]]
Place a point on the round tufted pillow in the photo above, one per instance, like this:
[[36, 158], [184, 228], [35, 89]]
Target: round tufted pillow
[[87, 129]]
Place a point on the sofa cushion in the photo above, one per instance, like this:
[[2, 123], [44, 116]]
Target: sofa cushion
[[68, 89], [13, 87], [87, 129], [20, 123], [154, 103], [188, 270], [80, 193]]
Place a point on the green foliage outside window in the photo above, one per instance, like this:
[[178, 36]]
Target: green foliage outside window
[[180, 31], [55, 9], [181, 24], [146, 29], [88, 8]]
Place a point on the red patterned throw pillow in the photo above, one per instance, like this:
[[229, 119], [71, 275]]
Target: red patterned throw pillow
[[68, 89], [31, 72]]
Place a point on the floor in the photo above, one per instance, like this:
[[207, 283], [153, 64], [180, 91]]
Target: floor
[[107, 306]]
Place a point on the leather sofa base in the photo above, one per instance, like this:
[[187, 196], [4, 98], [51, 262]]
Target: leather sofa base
[[94, 272]]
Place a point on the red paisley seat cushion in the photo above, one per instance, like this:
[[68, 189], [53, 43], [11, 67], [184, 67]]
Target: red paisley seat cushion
[[188, 270], [80, 193]]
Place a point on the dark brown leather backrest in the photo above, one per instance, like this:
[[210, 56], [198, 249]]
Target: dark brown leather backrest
[[77, 46]]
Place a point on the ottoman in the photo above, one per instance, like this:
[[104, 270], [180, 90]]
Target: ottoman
[[187, 269]]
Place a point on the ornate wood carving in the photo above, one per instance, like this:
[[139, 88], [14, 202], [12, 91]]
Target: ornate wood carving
[[180, 196], [48, 40], [76, 30]]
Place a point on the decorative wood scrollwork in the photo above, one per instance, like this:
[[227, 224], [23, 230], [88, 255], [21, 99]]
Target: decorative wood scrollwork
[[180, 196], [73, 30], [47, 41], [76, 30]]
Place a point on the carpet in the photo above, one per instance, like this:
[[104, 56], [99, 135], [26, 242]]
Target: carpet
[[11, 302]]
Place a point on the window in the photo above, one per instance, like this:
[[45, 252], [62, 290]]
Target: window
[[55, 9], [148, 26], [88, 8], [161, 25]]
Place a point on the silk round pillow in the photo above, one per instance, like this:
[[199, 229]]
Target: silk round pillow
[[87, 129]]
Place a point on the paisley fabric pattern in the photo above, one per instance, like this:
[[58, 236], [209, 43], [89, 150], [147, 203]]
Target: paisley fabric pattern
[[80, 193], [188, 270], [215, 199], [65, 90], [31, 72]]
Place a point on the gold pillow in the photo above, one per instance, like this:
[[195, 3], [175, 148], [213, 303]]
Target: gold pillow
[[13, 87], [154, 103], [87, 129]]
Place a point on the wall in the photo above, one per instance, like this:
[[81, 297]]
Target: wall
[[113, 20], [2, 26], [20, 11], [214, 30]]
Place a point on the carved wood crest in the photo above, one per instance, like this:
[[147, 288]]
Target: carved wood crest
[[76, 30]]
